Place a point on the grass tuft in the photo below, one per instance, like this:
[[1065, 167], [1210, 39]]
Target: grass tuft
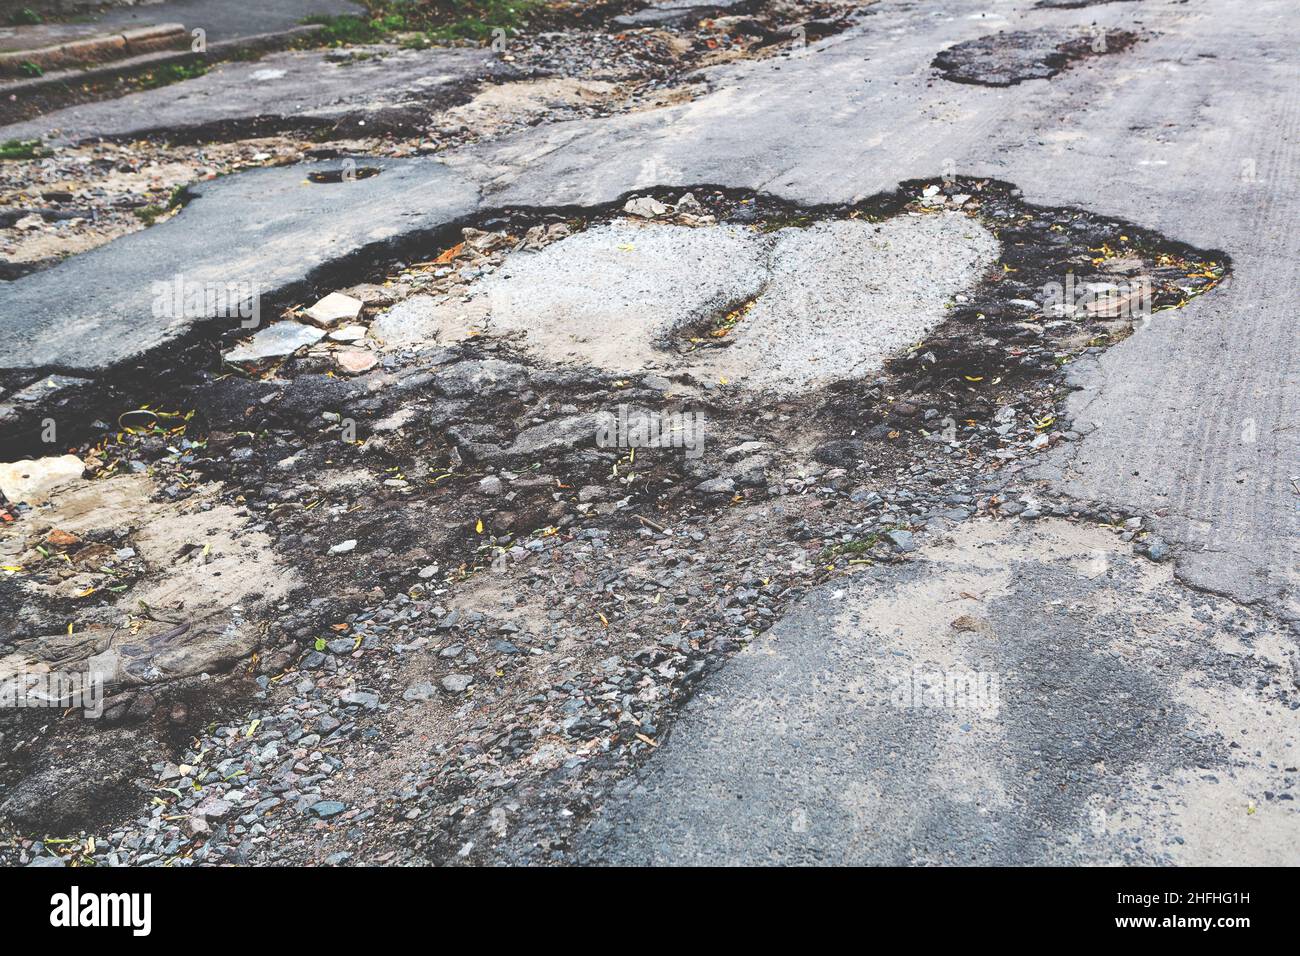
[[424, 21], [21, 149]]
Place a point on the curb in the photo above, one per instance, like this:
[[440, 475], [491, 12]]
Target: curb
[[166, 36], [136, 64]]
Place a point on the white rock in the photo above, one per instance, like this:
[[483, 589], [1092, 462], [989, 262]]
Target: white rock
[[344, 547], [647, 207], [335, 308], [33, 480], [349, 333]]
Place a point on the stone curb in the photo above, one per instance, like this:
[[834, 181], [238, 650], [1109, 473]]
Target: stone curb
[[167, 36], [146, 61]]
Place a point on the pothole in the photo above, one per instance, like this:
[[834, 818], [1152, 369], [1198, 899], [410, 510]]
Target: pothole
[[1005, 59]]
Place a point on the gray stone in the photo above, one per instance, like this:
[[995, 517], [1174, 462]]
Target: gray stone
[[328, 808], [480, 377], [716, 486], [360, 698], [560, 434], [421, 691], [1154, 547], [456, 683], [273, 343], [901, 540], [647, 207]]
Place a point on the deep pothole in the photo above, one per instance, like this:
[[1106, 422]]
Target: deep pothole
[[396, 476]]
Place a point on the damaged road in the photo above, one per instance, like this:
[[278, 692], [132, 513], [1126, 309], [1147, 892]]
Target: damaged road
[[387, 577]]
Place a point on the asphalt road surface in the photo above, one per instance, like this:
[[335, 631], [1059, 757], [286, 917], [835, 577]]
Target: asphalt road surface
[[1133, 707]]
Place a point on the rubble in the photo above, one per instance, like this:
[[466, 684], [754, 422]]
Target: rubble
[[32, 481]]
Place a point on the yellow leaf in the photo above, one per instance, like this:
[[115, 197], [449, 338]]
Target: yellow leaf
[[479, 527]]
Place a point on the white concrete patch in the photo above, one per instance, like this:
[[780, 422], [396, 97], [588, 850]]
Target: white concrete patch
[[843, 296], [611, 296], [827, 302], [33, 481]]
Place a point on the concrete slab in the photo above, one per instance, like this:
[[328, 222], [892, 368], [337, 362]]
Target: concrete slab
[[843, 296], [611, 296], [828, 302]]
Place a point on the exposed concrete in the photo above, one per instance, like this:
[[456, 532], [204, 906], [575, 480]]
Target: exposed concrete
[[302, 88], [206, 571], [1103, 724], [33, 480], [828, 302], [842, 297], [611, 296]]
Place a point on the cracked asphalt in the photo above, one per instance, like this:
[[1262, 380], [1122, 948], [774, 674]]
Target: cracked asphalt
[[1143, 705]]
